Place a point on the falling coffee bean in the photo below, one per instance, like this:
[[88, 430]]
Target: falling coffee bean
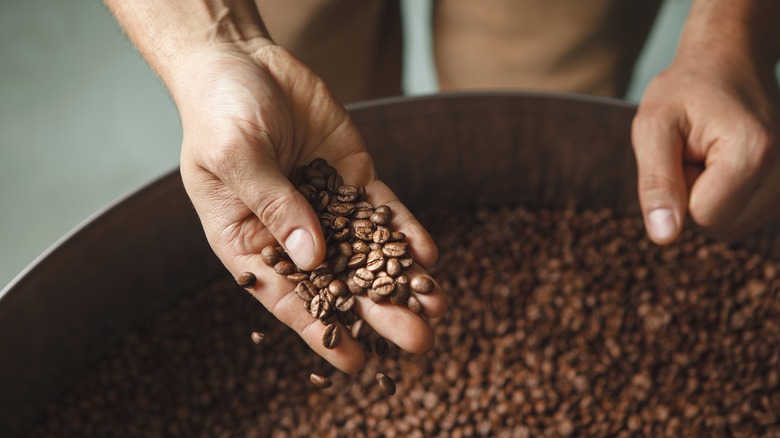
[[319, 381], [257, 337], [386, 383]]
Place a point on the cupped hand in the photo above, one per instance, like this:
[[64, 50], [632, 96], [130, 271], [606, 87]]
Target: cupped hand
[[249, 120], [706, 139]]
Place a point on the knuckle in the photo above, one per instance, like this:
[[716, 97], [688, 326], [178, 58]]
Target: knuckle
[[656, 185], [273, 208]]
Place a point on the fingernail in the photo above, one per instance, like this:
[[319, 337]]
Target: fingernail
[[300, 247], [661, 224]]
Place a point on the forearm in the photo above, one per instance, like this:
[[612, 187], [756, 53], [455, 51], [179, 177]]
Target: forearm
[[735, 29], [167, 32]]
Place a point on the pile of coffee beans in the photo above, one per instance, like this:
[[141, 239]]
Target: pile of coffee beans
[[364, 255], [562, 323]]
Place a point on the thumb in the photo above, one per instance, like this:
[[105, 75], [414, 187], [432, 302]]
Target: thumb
[[262, 186], [663, 196]]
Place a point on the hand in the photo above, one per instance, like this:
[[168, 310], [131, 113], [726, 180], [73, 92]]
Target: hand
[[706, 140], [251, 119]]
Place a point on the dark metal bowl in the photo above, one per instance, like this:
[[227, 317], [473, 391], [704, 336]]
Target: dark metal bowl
[[145, 251]]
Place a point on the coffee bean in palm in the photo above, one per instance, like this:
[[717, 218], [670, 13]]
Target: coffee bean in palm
[[338, 288], [270, 255], [358, 329], [386, 383], [383, 286], [322, 201], [311, 173], [363, 210], [257, 337], [297, 277], [339, 264], [357, 260], [341, 208], [331, 337], [353, 286], [360, 247], [393, 267], [406, 262], [319, 307], [361, 223], [306, 290], [319, 381], [344, 248], [342, 235], [365, 234], [422, 284], [327, 218], [397, 236], [347, 193], [402, 291], [363, 277], [374, 296], [322, 280], [284, 267], [308, 191], [380, 218], [334, 182], [395, 249], [247, 280], [345, 304], [339, 223], [414, 305], [381, 235], [375, 261]]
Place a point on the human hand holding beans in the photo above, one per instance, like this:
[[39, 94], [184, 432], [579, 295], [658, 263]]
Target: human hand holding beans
[[249, 121]]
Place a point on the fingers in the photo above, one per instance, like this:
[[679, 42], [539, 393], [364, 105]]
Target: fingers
[[260, 184], [658, 146]]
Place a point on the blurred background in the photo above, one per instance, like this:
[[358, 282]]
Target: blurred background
[[84, 121]]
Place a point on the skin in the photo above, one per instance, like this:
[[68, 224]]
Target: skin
[[251, 114], [704, 138], [705, 134]]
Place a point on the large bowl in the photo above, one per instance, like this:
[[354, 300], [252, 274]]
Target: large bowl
[[142, 253]]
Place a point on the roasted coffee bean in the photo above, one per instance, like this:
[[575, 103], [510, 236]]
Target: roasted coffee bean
[[375, 261], [374, 295], [363, 277], [380, 218], [334, 182], [330, 250], [402, 291], [319, 381], [358, 329], [285, 268], [270, 256], [319, 307], [406, 262], [364, 233], [344, 248], [297, 277], [331, 337], [375, 246], [247, 280], [306, 290], [383, 286], [310, 173], [381, 235], [331, 299], [414, 305], [319, 184], [395, 249], [327, 218], [340, 222], [308, 191], [347, 193], [257, 337], [397, 236], [339, 264], [360, 247], [322, 201], [342, 235], [422, 284], [393, 267], [322, 280], [381, 347], [341, 208], [318, 163], [357, 261], [346, 318], [363, 210], [354, 287], [361, 223], [338, 288], [345, 304], [386, 383]]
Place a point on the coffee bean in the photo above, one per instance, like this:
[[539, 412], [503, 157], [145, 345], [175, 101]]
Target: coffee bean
[[363, 210], [345, 249], [422, 284], [322, 280], [247, 280], [357, 261], [334, 182], [375, 261], [374, 296], [327, 218], [383, 209], [342, 235], [393, 267], [397, 236], [364, 233], [319, 381], [345, 304], [270, 255], [331, 337], [381, 235], [375, 246], [362, 223], [311, 173], [285, 268], [379, 218], [358, 329], [353, 286], [360, 247], [308, 191], [386, 383], [297, 277], [319, 184], [347, 318], [414, 305], [395, 249], [347, 193], [319, 307], [383, 286], [306, 290], [257, 337], [402, 291], [339, 264], [381, 347], [322, 201], [406, 262], [339, 223], [363, 277], [337, 288]]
